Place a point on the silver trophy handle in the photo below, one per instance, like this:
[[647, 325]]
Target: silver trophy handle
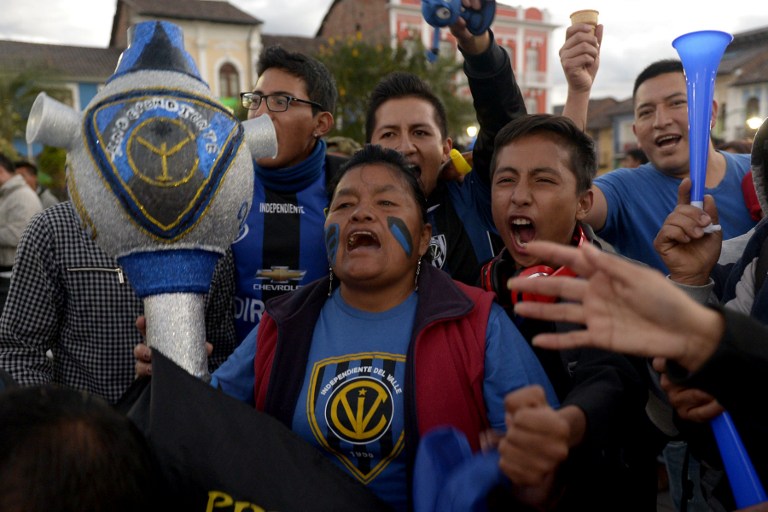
[[176, 327]]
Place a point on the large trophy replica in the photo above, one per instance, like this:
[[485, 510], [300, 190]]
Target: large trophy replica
[[161, 175]]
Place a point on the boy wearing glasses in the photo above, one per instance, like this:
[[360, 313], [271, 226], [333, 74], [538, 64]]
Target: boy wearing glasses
[[281, 246]]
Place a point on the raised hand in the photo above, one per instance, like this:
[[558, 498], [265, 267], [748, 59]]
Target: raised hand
[[686, 249]]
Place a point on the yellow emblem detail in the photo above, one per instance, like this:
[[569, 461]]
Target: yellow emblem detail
[[280, 274], [357, 427], [143, 149]]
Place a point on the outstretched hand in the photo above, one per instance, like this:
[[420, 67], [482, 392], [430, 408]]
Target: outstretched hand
[[624, 307]]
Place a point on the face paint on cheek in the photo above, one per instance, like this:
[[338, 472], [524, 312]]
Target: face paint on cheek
[[401, 234], [332, 242]]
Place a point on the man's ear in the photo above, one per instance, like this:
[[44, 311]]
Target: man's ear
[[426, 237], [323, 123], [713, 119], [447, 146], [585, 204]]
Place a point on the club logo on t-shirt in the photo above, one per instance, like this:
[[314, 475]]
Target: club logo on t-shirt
[[354, 409], [360, 410]]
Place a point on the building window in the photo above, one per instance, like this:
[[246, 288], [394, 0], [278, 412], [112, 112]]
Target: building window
[[229, 81], [410, 43], [754, 119], [531, 60], [446, 49], [722, 116], [753, 107]]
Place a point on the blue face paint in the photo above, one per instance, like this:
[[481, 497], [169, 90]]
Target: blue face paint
[[401, 234], [332, 242]]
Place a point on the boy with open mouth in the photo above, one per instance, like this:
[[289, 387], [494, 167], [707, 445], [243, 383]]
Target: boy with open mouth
[[597, 450]]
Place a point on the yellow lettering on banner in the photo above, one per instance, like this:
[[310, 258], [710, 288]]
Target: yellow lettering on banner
[[218, 499], [241, 506], [221, 500]]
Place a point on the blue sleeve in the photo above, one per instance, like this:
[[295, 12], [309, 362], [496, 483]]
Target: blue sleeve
[[472, 197], [236, 375], [509, 364], [612, 185]]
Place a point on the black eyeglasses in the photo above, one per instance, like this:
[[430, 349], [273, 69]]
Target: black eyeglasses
[[275, 102]]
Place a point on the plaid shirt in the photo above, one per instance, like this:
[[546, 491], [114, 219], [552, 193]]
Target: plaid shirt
[[68, 296]]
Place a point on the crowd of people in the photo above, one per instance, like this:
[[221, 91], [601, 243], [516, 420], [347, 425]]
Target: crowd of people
[[524, 304]]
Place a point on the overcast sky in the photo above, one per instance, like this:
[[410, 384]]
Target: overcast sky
[[637, 32]]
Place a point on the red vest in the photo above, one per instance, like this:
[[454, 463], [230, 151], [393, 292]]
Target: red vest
[[446, 357]]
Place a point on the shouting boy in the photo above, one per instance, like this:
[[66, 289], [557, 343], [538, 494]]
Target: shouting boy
[[593, 452]]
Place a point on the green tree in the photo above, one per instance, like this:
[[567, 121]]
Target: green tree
[[17, 93], [359, 66], [51, 165]]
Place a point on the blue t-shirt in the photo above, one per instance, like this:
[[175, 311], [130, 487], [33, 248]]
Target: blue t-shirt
[[639, 201], [351, 404]]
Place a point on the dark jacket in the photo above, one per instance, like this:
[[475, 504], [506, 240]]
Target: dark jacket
[[463, 234], [614, 467]]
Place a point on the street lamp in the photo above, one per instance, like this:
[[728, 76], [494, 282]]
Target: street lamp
[[754, 122]]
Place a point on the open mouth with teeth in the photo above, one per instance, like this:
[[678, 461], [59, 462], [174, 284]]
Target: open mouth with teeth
[[523, 230], [360, 239], [667, 140]]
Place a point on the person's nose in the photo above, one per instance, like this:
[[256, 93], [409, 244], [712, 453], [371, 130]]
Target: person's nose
[[362, 212], [662, 117], [521, 194], [406, 145]]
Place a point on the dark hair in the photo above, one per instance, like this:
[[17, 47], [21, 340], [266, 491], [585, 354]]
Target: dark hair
[[581, 147], [321, 87], [403, 85], [638, 154], [739, 146], [7, 163], [63, 449], [26, 163], [660, 67], [375, 154]]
